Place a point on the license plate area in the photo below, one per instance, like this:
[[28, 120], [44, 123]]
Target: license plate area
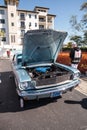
[[55, 94]]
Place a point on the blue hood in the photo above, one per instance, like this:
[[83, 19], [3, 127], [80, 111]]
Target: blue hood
[[42, 45]]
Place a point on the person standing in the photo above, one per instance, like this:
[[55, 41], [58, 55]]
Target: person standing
[[8, 53], [75, 55]]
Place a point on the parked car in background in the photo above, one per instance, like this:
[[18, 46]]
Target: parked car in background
[[36, 72]]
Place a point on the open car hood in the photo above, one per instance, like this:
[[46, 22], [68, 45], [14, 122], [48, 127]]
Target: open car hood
[[42, 46]]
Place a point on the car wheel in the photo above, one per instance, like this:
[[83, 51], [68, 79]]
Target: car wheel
[[21, 102]]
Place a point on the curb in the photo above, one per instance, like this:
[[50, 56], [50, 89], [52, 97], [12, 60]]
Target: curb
[[82, 86]]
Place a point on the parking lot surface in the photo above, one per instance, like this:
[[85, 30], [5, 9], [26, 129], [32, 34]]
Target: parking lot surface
[[66, 113]]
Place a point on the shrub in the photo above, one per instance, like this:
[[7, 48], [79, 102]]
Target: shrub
[[63, 58], [67, 49]]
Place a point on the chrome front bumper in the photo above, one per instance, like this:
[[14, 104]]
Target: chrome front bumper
[[48, 92]]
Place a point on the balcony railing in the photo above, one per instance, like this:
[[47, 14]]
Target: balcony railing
[[49, 21], [42, 20], [22, 27], [22, 18]]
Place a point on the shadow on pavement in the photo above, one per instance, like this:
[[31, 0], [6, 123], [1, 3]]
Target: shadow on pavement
[[9, 101], [83, 102], [13, 106]]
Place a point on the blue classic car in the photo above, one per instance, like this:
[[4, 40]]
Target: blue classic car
[[36, 72]]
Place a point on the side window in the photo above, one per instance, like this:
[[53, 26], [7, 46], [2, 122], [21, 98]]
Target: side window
[[19, 59]]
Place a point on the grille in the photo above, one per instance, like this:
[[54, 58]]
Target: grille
[[52, 80]]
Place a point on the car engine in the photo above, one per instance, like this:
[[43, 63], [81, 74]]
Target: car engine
[[45, 75]]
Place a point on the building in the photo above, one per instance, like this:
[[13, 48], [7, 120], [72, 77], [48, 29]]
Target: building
[[15, 22]]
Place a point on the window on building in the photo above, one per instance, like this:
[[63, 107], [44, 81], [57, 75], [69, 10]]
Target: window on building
[[22, 24], [35, 24], [35, 16], [22, 16], [41, 10], [12, 24], [12, 15], [2, 21], [13, 38], [29, 24], [4, 39], [41, 26], [42, 19], [2, 12], [22, 32], [29, 15]]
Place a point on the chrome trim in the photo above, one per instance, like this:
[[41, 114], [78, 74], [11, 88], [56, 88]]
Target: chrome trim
[[47, 91]]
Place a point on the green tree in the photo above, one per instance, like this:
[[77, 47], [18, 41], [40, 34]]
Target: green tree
[[77, 39], [1, 35], [85, 38], [74, 23], [84, 18], [69, 44], [80, 26]]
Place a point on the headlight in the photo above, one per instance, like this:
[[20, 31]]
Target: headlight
[[75, 75], [23, 85], [27, 85]]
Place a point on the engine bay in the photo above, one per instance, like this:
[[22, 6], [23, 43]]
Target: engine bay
[[45, 75], [44, 72]]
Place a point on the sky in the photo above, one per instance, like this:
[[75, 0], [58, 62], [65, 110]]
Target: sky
[[63, 9]]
